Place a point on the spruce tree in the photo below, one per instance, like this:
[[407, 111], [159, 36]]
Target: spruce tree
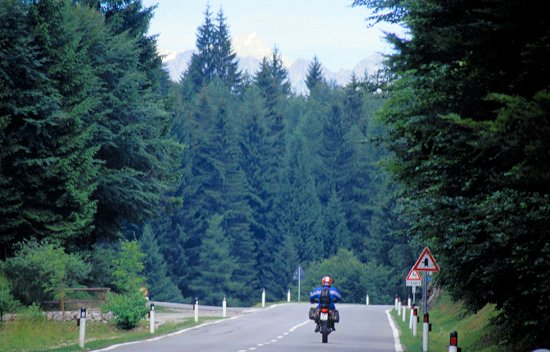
[[314, 75], [159, 284], [338, 234], [300, 214], [272, 80], [216, 265], [136, 149], [201, 68], [470, 147], [21, 78], [53, 171], [225, 59]]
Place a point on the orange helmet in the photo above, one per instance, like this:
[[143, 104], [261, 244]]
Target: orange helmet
[[327, 281]]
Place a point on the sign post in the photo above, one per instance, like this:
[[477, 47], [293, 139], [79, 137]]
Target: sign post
[[413, 280], [299, 275], [425, 263]]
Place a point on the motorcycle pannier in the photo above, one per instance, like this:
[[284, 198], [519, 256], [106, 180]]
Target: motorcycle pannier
[[312, 313], [336, 316]]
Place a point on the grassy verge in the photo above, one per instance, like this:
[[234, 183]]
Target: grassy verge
[[43, 335], [474, 330]]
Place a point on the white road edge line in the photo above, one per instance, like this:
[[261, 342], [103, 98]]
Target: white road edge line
[[395, 333]]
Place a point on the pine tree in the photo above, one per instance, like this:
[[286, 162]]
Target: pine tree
[[214, 57], [314, 75], [336, 226], [285, 263], [136, 148], [216, 265], [272, 81], [336, 150], [21, 77], [201, 68], [252, 159], [225, 59], [62, 35], [159, 284], [54, 169], [300, 215], [470, 147]]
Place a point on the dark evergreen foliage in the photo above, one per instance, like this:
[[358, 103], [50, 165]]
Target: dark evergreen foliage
[[92, 137], [314, 75], [214, 57], [469, 132], [159, 284]]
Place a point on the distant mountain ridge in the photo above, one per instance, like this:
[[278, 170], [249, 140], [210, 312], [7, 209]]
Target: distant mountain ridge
[[251, 50]]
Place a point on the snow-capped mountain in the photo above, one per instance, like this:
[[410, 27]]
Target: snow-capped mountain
[[251, 49]]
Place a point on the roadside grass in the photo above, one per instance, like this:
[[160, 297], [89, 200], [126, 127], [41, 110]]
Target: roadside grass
[[45, 335], [474, 330]]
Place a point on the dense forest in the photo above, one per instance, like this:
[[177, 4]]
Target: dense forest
[[229, 181], [469, 132], [223, 183]]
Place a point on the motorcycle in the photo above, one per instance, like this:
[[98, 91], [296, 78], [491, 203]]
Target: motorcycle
[[325, 319]]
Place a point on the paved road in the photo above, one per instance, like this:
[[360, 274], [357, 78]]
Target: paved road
[[284, 327]]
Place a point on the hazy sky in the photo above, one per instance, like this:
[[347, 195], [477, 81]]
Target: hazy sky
[[331, 29]]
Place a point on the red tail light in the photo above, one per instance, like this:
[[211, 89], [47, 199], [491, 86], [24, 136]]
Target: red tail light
[[324, 310]]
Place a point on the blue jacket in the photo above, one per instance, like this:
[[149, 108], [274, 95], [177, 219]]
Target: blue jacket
[[335, 297]]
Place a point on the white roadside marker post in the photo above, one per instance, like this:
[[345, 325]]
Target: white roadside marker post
[[82, 326], [263, 298], [415, 322], [399, 307], [152, 318], [425, 332], [411, 318], [404, 312], [224, 307], [288, 296], [196, 310], [368, 300]]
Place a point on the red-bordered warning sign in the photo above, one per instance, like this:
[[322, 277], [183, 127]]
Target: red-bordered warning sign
[[426, 262], [413, 278]]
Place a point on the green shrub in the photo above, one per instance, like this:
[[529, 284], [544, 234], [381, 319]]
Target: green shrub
[[32, 313], [128, 274], [128, 309], [39, 269], [7, 302]]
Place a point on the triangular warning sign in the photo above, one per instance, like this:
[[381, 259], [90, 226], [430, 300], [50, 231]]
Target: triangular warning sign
[[414, 276], [426, 262]]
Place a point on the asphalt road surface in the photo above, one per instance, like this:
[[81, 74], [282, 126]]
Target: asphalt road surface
[[283, 327]]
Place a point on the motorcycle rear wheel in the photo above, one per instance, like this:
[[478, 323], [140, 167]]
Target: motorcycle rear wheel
[[324, 331]]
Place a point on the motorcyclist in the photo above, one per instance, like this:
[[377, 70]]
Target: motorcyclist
[[316, 296]]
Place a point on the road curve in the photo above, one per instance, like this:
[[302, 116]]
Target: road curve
[[283, 327]]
